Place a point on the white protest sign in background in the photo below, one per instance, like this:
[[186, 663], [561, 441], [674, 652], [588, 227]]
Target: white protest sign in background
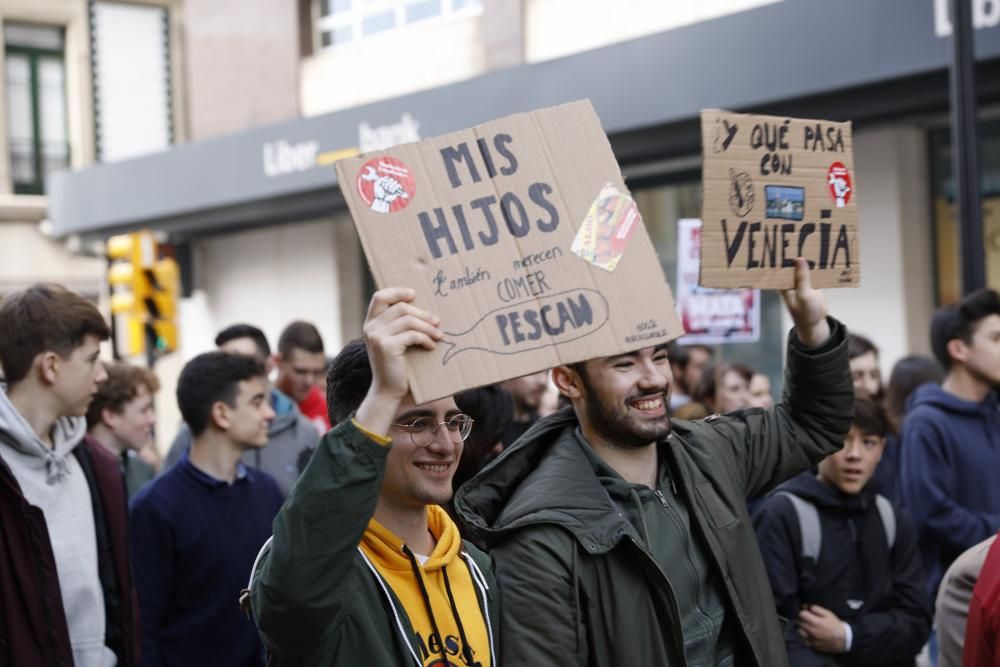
[[711, 316]]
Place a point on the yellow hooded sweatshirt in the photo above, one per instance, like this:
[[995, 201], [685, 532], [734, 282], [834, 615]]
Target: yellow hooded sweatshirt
[[449, 627]]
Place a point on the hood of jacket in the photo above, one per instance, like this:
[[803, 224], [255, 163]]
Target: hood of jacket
[[387, 548], [822, 495], [67, 433], [286, 413], [545, 477], [931, 394]]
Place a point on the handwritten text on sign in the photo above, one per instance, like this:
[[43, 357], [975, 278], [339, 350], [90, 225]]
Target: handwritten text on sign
[[776, 189]]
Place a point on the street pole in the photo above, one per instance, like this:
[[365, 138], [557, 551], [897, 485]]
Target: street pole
[[965, 148]]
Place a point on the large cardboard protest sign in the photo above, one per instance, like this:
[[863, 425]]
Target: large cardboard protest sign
[[521, 235], [776, 188]]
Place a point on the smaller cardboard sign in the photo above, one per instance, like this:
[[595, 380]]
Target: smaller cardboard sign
[[711, 316], [774, 189], [521, 235]]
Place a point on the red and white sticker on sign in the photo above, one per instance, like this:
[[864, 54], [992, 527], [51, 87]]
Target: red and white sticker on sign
[[386, 184], [839, 180]]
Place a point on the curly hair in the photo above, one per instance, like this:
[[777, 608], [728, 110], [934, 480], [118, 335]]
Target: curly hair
[[122, 386]]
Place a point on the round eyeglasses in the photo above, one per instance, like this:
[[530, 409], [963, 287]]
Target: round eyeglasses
[[423, 430]]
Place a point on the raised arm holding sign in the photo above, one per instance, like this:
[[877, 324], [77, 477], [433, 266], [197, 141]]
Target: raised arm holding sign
[[365, 567]]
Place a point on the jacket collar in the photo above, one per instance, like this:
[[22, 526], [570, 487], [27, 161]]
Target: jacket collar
[[544, 478]]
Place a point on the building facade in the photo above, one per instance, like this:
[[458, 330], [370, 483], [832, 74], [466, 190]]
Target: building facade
[[60, 113]]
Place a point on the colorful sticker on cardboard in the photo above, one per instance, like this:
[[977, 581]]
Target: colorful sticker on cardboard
[[607, 228], [839, 180], [386, 184]]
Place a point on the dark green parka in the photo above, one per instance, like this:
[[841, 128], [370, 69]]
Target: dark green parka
[[579, 584], [316, 599]]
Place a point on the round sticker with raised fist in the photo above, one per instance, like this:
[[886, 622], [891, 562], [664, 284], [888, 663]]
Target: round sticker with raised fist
[[839, 180], [386, 184]]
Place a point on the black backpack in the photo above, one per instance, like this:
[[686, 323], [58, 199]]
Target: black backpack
[[812, 533]]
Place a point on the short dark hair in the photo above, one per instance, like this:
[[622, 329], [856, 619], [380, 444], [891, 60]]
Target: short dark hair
[[858, 345], [908, 374], [300, 335], [492, 408], [347, 381], [245, 331], [870, 417], [960, 321], [209, 378], [41, 318], [122, 386]]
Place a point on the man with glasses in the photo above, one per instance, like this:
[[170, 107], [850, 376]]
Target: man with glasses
[[365, 567]]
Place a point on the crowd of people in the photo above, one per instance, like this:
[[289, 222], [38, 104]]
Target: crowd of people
[[655, 507]]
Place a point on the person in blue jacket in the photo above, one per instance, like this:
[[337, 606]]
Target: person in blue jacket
[[843, 561], [950, 453]]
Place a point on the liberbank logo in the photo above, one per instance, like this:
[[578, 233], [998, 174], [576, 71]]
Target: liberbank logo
[[283, 158], [985, 14]]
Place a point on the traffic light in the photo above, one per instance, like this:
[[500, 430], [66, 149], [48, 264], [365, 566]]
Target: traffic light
[[166, 292], [144, 294]]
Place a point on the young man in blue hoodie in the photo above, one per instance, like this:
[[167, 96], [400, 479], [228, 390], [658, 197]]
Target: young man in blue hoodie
[[843, 561], [950, 453]]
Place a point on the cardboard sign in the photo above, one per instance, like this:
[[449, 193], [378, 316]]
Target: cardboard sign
[[521, 235], [775, 189], [711, 316]]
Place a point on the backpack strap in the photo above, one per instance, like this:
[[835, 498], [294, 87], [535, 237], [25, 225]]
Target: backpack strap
[[888, 516], [809, 528]]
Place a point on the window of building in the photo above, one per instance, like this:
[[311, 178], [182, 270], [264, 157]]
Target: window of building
[[946, 250], [661, 207], [36, 104], [344, 21]]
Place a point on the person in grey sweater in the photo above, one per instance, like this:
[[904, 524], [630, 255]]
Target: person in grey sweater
[[291, 437], [66, 594]]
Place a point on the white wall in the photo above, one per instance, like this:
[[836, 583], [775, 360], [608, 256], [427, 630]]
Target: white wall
[[555, 28], [270, 276], [894, 304], [27, 257], [394, 63]]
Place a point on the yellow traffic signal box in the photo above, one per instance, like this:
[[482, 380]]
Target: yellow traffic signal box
[[144, 294]]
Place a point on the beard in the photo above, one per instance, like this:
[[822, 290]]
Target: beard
[[615, 425]]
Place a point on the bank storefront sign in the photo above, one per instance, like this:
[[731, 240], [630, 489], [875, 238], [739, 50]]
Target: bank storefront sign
[[282, 157], [985, 14]]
